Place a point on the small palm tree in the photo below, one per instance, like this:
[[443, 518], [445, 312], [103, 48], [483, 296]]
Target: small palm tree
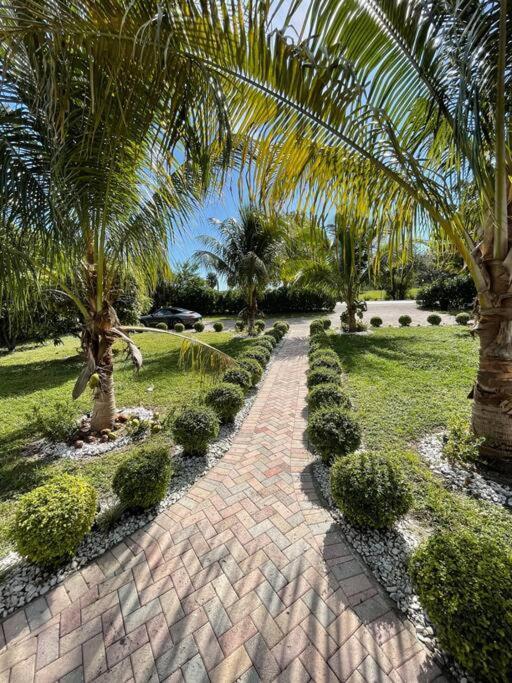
[[93, 106], [246, 255]]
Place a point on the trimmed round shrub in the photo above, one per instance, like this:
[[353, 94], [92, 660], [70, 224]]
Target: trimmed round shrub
[[376, 321], [194, 428], [240, 326], [218, 327], [142, 480], [282, 326], [333, 432], [370, 489], [259, 325], [226, 399], [199, 326], [316, 326], [238, 376], [265, 342], [179, 327], [51, 520], [323, 353], [434, 319], [462, 319], [327, 395], [320, 339], [252, 366], [272, 339], [325, 361], [259, 353], [464, 582], [274, 332], [322, 376], [405, 320], [161, 326], [327, 323]]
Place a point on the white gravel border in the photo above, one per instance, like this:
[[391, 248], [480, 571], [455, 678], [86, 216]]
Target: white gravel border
[[25, 581]]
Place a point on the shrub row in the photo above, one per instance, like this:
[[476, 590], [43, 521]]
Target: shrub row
[[52, 520]]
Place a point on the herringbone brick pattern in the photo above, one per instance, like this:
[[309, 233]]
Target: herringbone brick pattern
[[245, 579]]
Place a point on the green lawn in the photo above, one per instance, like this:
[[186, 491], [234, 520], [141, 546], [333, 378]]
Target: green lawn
[[42, 375], [406, 383], [380, 294]]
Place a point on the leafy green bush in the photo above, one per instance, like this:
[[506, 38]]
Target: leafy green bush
[[218, 326], [325, 361], [461, 445], [316, 326], [179, 327], [448, 293], [282, 326], [271, 337], [405, 320], [199, 326], [327, 395], [259, 353], [274, 332], [265, 342], [333, 432], [464, 582], [161, 326], [323, 353], [327, 323], [56, 421], [252, 366], [238, 376], [376, 321], [462, 319], [142, 480], [51, 520], [194, 427], [322, 376], [434, 319], [259, 325], [240, 325], [370, 489], [319, 341], [226, 399]]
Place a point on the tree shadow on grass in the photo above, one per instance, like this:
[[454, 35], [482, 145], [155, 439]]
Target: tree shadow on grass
[[26, 378]]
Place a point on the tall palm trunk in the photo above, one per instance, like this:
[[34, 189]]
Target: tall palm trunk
[[252, 309], [100, 341], [492, 393]]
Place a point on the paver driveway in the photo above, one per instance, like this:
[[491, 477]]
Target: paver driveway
[[246, 578]]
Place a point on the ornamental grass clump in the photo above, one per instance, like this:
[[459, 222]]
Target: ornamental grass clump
[[323, 395], [370, 489], [56, 421], [52, 520], [238, 376], [252, 366], [226, 399], [460, 444], [142, 480], [322, 376], [333, 432], [194, 427], [464, 582]]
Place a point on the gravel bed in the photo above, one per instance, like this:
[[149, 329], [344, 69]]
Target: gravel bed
[[458, 478], [386, 553], [25, 581]]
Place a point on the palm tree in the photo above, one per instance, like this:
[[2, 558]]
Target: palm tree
[[212, 280], [106, 141], [247, 255], [334, 259]]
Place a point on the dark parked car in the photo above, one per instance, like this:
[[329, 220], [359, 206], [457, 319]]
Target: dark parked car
[[171, 316]]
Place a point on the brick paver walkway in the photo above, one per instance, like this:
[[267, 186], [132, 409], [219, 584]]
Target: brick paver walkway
[[246, 578]]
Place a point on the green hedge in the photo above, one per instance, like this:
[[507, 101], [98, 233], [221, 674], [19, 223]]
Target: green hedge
[[333, 432], [142, 480]]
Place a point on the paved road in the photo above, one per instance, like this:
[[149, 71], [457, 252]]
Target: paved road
[[246, 578]]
